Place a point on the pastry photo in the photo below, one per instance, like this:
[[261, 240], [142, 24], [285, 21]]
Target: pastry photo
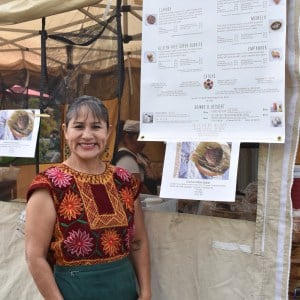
[[208, 84], [211, 158], [276, 25], [150, 57], [151, 19], [276, 121], [275, 54], [21, 123]]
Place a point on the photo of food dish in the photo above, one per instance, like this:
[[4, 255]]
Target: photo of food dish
[[208, 84], [211, 158], [203, 160], [276, 121], [275, 54], [151, 19], [150, 57], [276, 107], [148, 117], [21, 123], [276, 25]]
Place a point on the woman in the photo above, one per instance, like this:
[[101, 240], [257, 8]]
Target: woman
[[87, 213]]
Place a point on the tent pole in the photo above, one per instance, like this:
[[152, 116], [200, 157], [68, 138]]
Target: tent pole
[[120, 72], [43, 77]]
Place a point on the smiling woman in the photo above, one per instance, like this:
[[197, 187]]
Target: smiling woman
[[97, 216], [86, 131]]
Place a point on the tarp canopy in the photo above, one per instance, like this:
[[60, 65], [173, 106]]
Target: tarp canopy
[[92, 49], [21, 25]]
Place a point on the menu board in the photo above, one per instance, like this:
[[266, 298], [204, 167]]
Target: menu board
[[213, 70], [19, 132]]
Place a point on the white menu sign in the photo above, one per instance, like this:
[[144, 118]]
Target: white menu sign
[[18, 132], [200, 171], [213, 70]]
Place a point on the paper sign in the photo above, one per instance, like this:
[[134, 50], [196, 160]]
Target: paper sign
[[213, 70], [200, 171], [18, 132]]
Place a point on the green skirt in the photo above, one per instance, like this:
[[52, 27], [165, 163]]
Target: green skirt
[[109, 281]]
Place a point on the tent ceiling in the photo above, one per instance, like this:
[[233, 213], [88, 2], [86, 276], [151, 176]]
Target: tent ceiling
[[17, 11], [20, 43]]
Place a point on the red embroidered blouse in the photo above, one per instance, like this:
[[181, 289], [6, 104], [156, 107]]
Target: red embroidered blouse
[[95, 213]]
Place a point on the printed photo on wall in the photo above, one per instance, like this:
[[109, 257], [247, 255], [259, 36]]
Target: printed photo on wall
[[18, 132], [200, 170]]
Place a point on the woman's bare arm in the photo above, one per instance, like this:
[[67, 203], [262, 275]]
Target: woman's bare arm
[[39, 224], [140, 253]]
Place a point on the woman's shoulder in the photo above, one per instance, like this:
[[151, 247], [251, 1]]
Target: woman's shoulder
[[40, 181], [124, 179]]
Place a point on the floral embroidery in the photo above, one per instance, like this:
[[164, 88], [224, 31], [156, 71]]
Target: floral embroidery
[[71, 206], [59, 178], [79, 243], [111, 242], [127, 198], [75, 242], [123, 174]]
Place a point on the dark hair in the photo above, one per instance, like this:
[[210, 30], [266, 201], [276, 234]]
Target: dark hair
[[94, 104]]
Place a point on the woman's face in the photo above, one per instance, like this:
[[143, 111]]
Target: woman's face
[[86, 136]]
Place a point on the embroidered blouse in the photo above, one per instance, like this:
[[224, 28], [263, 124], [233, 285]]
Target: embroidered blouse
[[95, 213]]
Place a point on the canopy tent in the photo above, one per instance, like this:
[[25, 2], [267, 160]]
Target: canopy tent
[[21, 29], [82, 44], [20, 37], [192, 258]]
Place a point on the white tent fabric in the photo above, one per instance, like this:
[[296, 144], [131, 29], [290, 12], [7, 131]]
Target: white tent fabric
[[20, 41], [16, 281], [18, 11]]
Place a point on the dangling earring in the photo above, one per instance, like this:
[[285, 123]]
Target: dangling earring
[[66, 150]]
